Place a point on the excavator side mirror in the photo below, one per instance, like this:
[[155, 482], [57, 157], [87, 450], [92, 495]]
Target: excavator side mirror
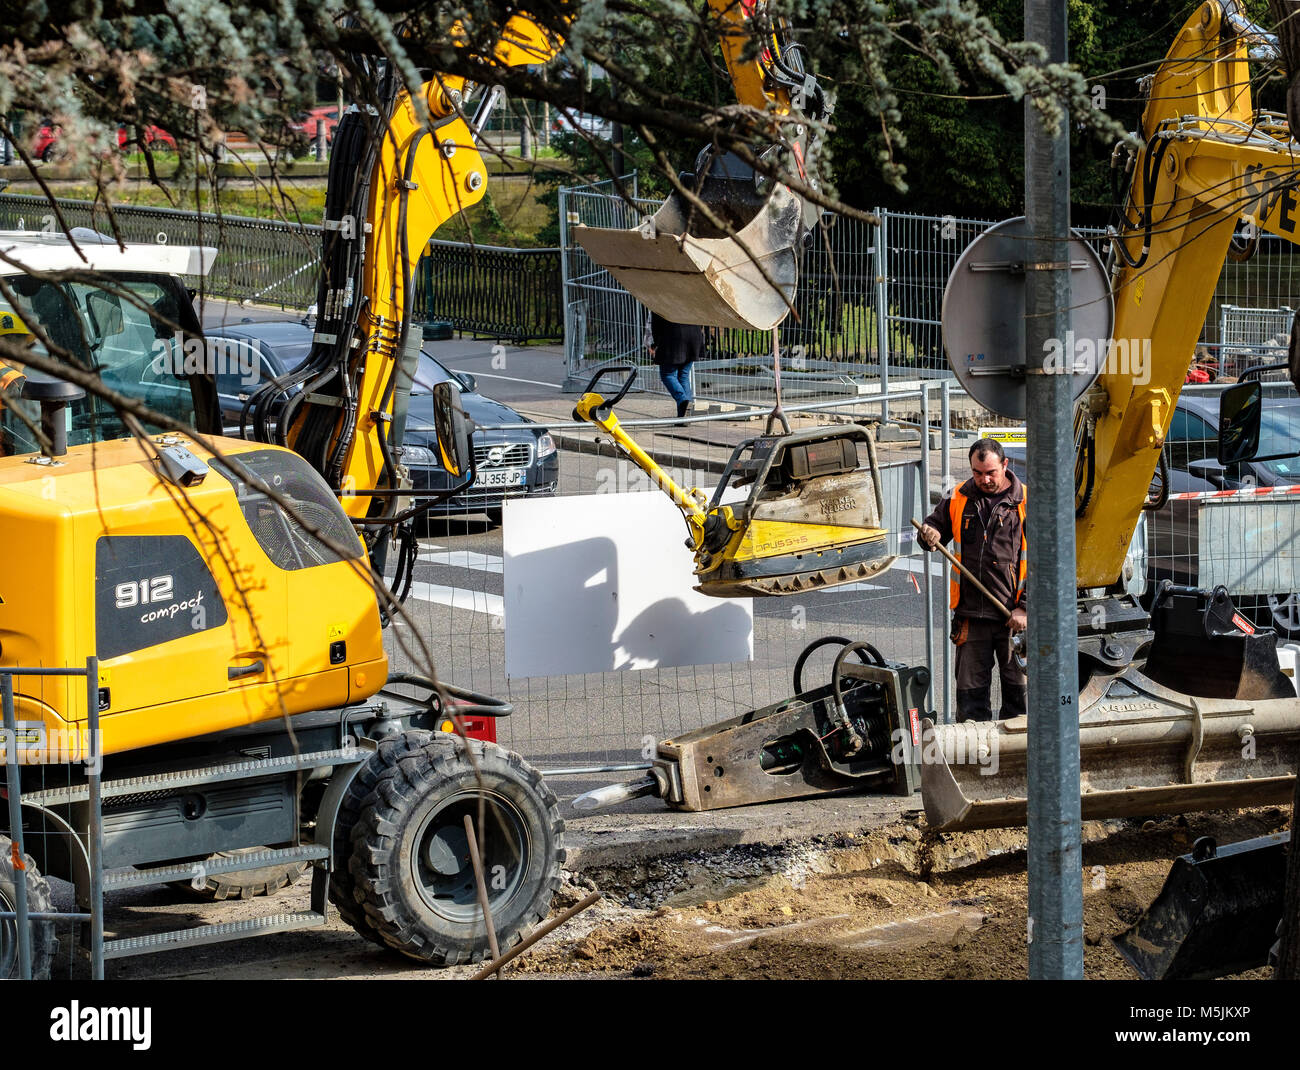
[[453, 428], [1240, 408]]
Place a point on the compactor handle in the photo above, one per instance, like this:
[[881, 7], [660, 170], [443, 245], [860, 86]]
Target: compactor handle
[[606, 407]]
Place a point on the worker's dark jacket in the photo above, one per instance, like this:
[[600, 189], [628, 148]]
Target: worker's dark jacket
[[675, 343], [992, 545]]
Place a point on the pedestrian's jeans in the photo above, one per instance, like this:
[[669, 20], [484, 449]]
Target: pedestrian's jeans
[[678, 381]]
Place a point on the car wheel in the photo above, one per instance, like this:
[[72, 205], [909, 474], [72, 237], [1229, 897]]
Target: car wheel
[[495, 516], [1281, 612]]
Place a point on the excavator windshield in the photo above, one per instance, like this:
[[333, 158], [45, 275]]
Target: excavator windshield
[[120, 331]]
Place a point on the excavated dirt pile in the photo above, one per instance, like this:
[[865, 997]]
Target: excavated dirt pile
[[891, 903]]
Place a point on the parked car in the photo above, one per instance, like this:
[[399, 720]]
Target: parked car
[[582, 124], [306, 123], [513, 463], [1192, 449], [155, 139], [48, 143]]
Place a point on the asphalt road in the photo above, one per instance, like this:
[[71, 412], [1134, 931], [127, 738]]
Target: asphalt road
[[456, 607]]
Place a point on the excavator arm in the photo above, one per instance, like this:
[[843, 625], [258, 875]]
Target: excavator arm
[[724, 249], [397, 173], [1207, 159]]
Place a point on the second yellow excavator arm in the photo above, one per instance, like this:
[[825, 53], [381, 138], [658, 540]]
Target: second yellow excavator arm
[[1207, 159]]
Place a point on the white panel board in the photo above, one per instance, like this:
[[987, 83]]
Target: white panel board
[[1250, 546], [604, 582]]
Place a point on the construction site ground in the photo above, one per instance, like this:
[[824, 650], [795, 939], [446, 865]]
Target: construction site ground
[[838, 887]]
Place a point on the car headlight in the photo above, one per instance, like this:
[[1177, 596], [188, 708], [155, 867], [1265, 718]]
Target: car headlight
[[545, 445], [419, 455]]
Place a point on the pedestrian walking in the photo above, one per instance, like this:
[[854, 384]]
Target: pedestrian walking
[[674, 347]]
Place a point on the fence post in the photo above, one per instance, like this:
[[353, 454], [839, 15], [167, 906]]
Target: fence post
[[13, 785], [945, 472], [882, 310], [927, 586], [95, 831]]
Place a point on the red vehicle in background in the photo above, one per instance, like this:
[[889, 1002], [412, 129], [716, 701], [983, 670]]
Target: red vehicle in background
[[307, 123], [155, 140], [47, 144]]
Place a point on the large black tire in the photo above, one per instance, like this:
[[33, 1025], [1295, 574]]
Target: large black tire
[[246, 883], [410, 857], [342, 886], [44, 943]]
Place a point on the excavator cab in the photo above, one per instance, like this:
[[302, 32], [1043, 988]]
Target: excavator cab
[[813, 518]]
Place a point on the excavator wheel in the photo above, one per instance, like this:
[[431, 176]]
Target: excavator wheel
[[410, 854], [342, 886], [44, 943], [244, 884]]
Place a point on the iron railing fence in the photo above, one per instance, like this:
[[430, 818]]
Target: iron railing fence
[[510, 294], [867, 289]]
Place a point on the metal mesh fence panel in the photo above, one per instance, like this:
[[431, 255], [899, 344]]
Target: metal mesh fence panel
[[598, 719]]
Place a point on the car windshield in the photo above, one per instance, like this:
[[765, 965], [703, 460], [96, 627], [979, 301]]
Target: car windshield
[[429, 374], [135, 352], [1279, 432]]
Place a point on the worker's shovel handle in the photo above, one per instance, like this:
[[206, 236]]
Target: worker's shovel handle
[[967, 574]]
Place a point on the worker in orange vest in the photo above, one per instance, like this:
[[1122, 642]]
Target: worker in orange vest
[[988, 511]]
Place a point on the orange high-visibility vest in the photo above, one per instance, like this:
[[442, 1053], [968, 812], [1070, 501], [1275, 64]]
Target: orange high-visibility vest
[[956, 509]]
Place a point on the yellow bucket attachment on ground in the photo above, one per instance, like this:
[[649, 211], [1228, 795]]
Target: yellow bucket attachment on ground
[[1144, 749], [673, 269]]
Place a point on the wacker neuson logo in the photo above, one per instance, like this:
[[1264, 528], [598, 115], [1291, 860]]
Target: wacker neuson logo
[[75, 1022]]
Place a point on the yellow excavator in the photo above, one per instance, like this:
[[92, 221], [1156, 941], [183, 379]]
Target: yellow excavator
[[1181, 709], [218, 597], [723, 251], [1186, 709], [219, 593]]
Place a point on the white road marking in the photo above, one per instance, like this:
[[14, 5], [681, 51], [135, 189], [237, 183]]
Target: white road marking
[[466, 559], [457, 598], [515, 379]]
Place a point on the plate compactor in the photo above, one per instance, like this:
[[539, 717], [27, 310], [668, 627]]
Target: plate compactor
[[814, 517]]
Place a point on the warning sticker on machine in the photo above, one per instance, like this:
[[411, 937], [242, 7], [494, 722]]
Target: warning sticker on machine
[[1242, 624], [916, 726]]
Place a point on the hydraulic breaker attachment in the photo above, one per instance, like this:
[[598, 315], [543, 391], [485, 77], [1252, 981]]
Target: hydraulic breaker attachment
[[681, 265], [813, 518], [1217, 914], [859, 732]]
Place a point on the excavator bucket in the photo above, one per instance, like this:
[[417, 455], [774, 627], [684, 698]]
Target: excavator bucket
[[1205, 719], [1143, 749], [682, 267], [1217, 914]]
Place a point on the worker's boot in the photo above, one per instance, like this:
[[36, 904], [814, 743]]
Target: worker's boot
[[973, 705], [1015, 702], [683, 408]]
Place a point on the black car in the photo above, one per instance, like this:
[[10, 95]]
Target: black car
[[511, 463]]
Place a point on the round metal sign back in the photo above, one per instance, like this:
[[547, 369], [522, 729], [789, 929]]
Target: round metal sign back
[[984, 319]]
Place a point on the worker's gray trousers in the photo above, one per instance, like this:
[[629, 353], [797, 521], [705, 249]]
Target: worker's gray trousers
[[980, 642]]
